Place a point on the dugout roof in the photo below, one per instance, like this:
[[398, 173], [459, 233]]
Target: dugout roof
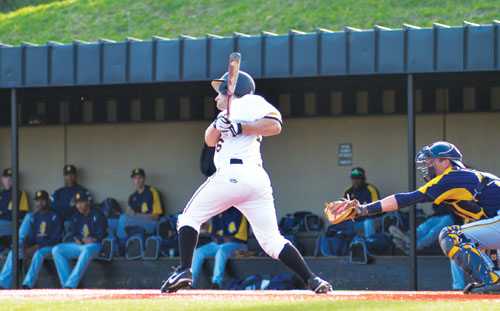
[[466, 48]]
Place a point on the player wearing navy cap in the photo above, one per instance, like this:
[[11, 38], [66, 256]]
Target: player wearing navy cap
[[144, 208], [364, 193], [45, 230], [88, 229], [62, 197], [6, 203]]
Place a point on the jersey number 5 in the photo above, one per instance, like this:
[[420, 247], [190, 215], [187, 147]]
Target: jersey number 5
[[218, 147]]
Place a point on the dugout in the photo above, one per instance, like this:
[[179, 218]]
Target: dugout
[[109, 106]]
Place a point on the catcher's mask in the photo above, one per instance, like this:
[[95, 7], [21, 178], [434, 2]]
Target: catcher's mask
[[244, 85], [441, 149]]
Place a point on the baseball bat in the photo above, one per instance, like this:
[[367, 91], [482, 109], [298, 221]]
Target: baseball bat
[[232, 77]]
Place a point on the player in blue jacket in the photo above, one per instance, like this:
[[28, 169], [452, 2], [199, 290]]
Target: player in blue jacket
[[6, 203], [144, 208], [364, 193], [229, 232], [45, 232], [88, 229], [471, 194], [62, 197]]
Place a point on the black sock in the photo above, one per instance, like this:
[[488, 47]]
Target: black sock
[[291, 257], [188, 238]]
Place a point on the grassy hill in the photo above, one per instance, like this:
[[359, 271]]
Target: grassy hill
[[65, 20]]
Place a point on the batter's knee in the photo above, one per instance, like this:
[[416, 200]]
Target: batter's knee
[[273, 245], [184, 220]]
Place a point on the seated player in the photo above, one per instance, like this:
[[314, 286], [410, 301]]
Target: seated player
[[6, 203], [364, 193], [229, 232], [471, 194], [62, 198], [88, 229], [143, 210], [6, 208], [45, 231]]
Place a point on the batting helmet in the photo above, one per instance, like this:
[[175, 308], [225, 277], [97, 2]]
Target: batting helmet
[[244, 85], [440, 149]]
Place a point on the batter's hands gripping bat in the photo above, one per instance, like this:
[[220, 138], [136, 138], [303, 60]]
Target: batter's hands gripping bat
[[232, 77]]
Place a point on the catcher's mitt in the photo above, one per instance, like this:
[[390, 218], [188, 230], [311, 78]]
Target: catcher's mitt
[[338, 211]]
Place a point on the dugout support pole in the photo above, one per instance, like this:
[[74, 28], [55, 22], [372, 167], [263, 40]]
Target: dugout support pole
[[412, 184], [14, 189]]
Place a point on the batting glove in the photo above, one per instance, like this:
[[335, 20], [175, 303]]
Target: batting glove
[[234, 130], [222, 124]]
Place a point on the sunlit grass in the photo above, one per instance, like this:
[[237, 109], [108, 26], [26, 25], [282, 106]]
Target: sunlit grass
[[90, 20]]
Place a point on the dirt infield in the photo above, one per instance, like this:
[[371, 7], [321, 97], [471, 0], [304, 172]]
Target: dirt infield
[[48, 294]]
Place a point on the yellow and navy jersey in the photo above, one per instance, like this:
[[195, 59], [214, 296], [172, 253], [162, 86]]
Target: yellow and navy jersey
[[146, 202], [456, 188], [45, 229], [6, 204], [364, 195], [93, 225], [229, 223], [62, 200]]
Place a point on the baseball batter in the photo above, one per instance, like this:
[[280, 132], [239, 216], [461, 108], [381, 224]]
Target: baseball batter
[[240, 181], [471, 194]]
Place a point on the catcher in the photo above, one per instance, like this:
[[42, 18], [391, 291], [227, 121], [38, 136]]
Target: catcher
[[471, 194]]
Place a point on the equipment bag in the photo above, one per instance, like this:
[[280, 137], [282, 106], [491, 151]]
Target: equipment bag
[[110, 208], [358, 252], [282, 281], [252, 282], [313, 223], [336, 240], [152, 247], [134, 249]]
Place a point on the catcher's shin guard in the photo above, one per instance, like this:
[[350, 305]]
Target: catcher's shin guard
[[465, 254]]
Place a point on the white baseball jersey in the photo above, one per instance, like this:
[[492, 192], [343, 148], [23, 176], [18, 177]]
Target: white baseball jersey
[[249, 108], [242, 183]]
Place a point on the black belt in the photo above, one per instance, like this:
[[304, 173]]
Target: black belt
[[236, 161]]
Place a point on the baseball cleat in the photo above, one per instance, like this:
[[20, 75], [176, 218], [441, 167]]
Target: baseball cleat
[[398, 233], [318, 285], [177, 280], [478, 288]]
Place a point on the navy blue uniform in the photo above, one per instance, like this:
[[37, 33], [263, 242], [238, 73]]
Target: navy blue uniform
[[147, 202], [45, 229], [229, 223], [364, 195], [61, 200], [94, 225], [6, 204], [456, 188]]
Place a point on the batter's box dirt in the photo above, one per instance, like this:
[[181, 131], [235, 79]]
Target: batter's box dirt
[[48, 294]]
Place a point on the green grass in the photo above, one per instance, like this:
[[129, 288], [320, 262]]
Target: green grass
[[12, 5], [254, 305], [65, 20]]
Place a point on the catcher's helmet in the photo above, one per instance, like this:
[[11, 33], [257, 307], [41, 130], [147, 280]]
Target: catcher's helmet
[[440, 149], [244, 85]]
